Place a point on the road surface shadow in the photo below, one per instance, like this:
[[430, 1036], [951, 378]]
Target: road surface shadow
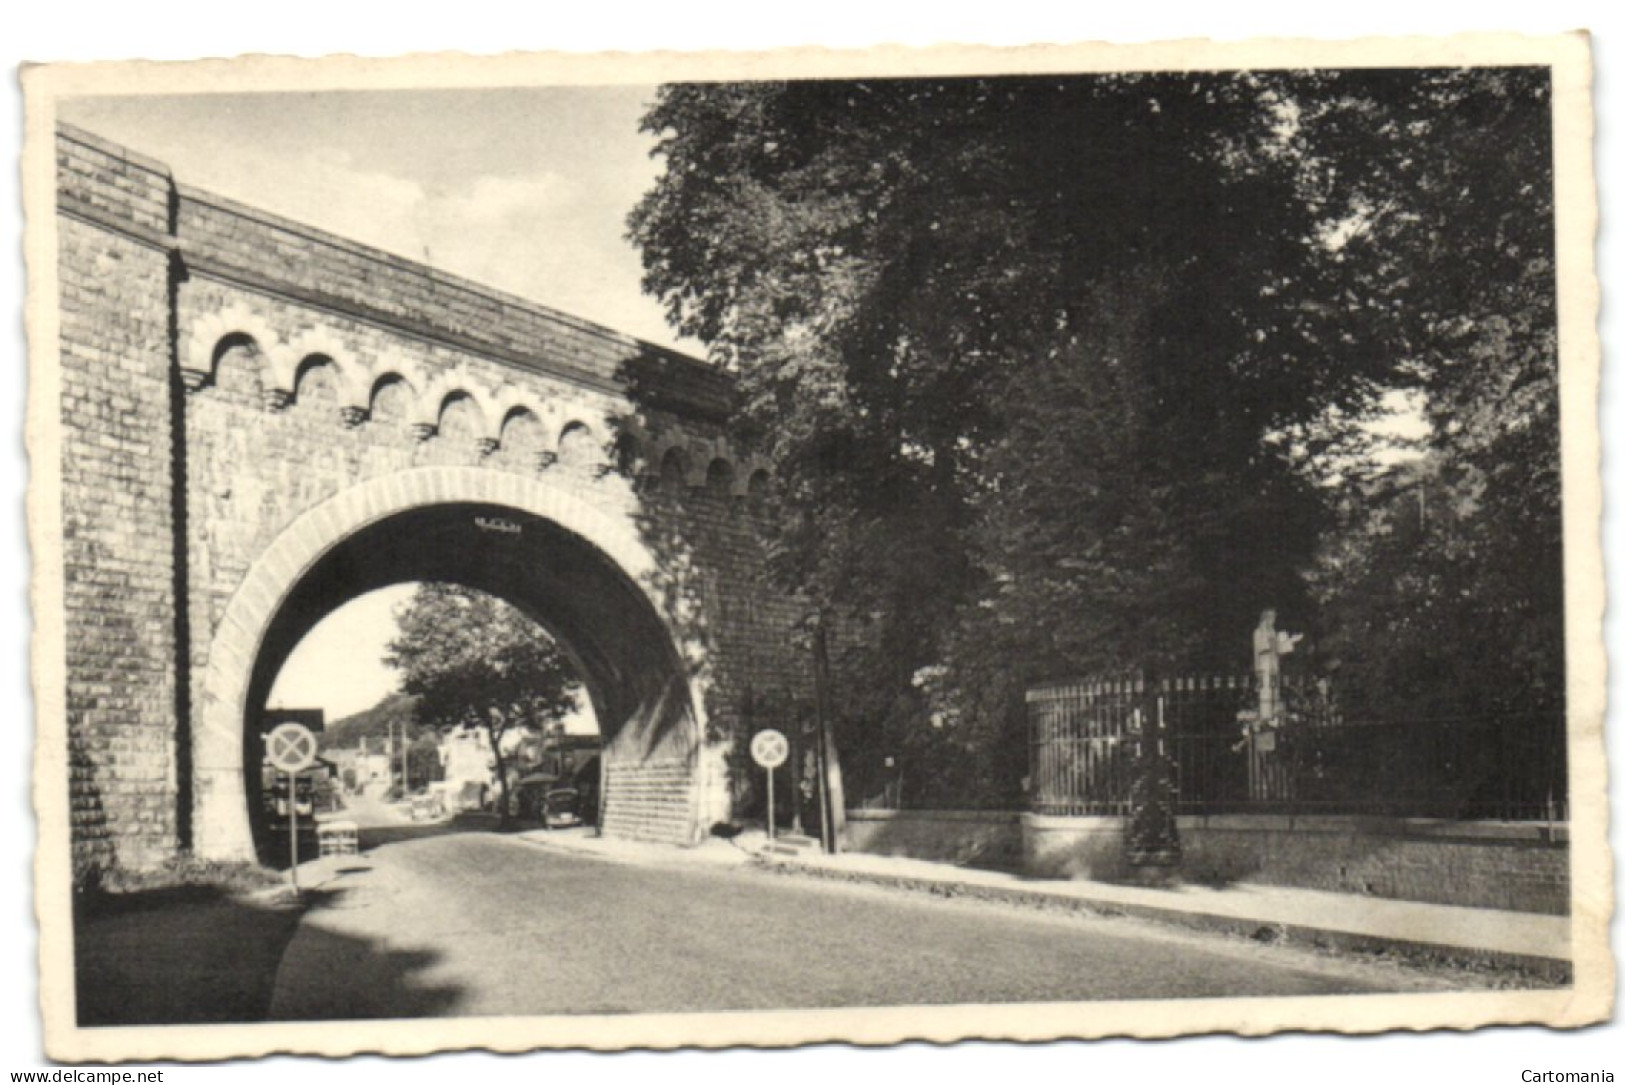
[[336, 977], [201, 955], [374, 836]]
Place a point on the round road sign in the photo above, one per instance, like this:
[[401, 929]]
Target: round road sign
[[770, 749], [291, 747]]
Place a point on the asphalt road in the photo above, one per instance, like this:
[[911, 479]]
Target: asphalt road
[[429, 923]]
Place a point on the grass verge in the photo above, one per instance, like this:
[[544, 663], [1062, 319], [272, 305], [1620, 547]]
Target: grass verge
[[188, 943]]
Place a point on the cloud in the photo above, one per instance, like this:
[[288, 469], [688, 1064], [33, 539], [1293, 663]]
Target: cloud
[[373, 208], [487, 228], [549, 239], [321, 187], [502, 200]]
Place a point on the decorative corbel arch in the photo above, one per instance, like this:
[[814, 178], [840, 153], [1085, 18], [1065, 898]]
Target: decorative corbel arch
[[201, 353], [629, 452], [675, 458], [431, 402], [722, 475], [509, 400], [754, 476], [354, 385], [404, 370], [592, 436]]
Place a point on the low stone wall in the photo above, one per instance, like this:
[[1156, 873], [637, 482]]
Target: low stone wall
[[1511, 865], [989, 839], [1073, 847]]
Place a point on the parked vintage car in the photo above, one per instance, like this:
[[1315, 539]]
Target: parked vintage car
[[530, 792], [427, 806], [561, 808], [549, 799]]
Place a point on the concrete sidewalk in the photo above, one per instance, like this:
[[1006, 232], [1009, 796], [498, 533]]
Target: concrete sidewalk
[[1536, 944]]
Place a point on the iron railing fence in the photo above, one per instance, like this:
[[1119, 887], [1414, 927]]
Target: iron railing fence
[[1087, 739]]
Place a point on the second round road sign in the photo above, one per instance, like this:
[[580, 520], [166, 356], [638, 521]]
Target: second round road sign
[[291, 747], [769, 749]]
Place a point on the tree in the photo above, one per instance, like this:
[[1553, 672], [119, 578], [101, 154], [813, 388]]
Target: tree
[[1444, 592], [375, 726], [1064, 374], [907, 275], [423, 764], [476, 662]]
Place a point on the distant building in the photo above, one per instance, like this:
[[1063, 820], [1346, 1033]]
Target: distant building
[[557, 754], [373, 770], [470, 768]]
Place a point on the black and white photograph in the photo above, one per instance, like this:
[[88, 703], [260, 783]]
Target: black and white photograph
[[555, 551]]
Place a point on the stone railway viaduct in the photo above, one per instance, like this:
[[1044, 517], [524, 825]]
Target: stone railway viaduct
[[261, 421]]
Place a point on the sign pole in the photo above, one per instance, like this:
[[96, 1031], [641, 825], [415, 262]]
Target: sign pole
[[293, 833], [769, 749], [291, 747]]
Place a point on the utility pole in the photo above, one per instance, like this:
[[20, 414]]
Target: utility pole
[[797, 729], [406, 781], [829, 762]]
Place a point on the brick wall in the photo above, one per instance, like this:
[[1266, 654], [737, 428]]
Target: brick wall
[[1073, 847], [987, 839], [98, 178], [1519, 867], [1505, 865], [650, 800], [116, 469], [252, 472]]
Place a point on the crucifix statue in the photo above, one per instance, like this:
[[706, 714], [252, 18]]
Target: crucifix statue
[[1269, 645]]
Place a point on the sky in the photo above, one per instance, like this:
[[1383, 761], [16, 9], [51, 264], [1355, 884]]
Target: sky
[[339, 666]]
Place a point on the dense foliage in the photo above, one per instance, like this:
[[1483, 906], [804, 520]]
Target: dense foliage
[[376, 725], [1443, 591], [1068, 374], [476, 662]]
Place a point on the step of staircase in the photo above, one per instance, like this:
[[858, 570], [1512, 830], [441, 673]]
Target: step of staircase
[[792, 844]]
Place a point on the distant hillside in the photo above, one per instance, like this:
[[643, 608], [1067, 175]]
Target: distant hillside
[[374, 724]]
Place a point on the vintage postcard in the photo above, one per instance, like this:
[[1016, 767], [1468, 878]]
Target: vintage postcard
[[668, 551]]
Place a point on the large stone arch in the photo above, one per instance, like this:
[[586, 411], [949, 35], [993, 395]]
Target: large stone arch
[[220, 795]]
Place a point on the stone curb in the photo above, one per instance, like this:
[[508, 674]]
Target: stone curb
[[1544, 969]]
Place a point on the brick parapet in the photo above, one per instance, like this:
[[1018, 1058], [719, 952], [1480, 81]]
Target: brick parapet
[[251, 248], [229, 241], [121, 187]]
